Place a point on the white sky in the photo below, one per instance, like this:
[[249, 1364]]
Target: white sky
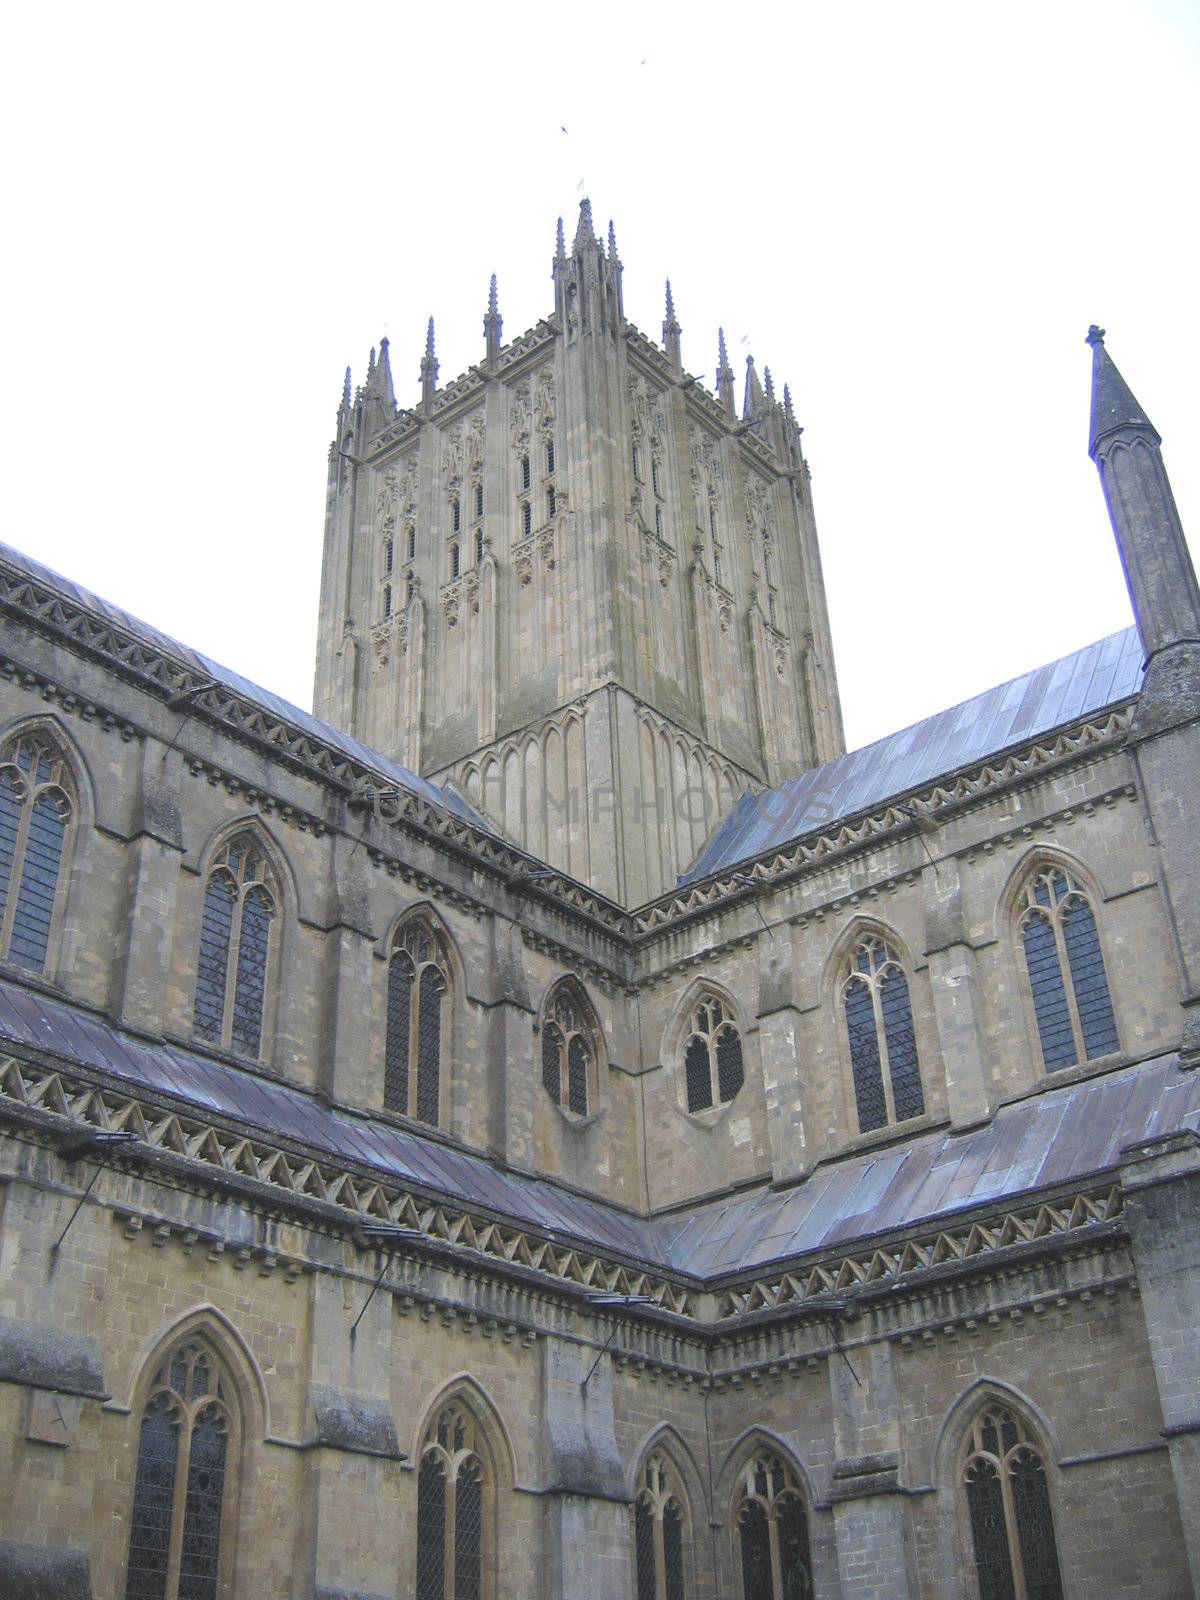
[[909, 212]]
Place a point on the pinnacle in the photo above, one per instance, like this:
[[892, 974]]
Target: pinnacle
[[670, 303], [585, 233], [493, 305], [560, 244], [612, 240], [429, 339]]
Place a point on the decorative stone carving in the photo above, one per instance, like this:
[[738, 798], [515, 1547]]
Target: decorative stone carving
[[520, 417], [452, 459], [385, 505], [543, 402], [475, 443]]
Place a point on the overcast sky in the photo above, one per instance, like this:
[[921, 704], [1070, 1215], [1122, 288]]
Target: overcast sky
[[909, 212]]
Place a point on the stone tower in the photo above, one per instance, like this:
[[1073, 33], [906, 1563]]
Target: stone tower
[[578, 586]]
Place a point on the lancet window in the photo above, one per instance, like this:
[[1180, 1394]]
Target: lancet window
[[659, 1528], [418, 980], [36, 808], [712, 1056], [1066, 971], [567, 1055], [1008, 1507], [453, 1508], [455, 560], [240, 902], [184, 1490], [883, 1043], [772, 1532], [526, 477]]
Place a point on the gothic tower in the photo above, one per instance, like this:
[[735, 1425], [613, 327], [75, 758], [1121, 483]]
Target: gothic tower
[[577, 585]]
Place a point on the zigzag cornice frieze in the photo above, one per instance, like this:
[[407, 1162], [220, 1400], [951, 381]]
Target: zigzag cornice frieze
[[935, 802], [65, 1095], [59, 1094], [888, 1264]]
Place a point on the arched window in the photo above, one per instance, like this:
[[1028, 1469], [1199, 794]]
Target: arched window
[[883, 1046], [35, 811], [712, 1057], [1008, 1506], [453, 1510], [235, 949], [772, 1532], [184, 1488], [417, 983], [567, 1054], [1066, 971], [659, 1524]]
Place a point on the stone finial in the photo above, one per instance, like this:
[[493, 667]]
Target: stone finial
[[725, 376], [754, 401], [560, 242], [346, 390], [671, 332], [612, 240], [493, 323], [770, 387], [429, 368]]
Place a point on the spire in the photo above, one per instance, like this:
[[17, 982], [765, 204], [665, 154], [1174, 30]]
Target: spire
[[612, 241], [346, 391], [755, 401], [770, 386], [1158, 569], [671, 333], [429, 369], [787, 406], [724, 376], [493, 323], [560, 243], [585, 234], [1113, 405]]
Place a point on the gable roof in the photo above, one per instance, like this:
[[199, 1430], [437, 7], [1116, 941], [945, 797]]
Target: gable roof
[[1012, 713], [274, 705]]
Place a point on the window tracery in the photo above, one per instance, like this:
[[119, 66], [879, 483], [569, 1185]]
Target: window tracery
[[659, 1523], [183, 1490], [1008, 1508], [883, 1045], [453, 1510], [567, 1056], [36, 809], [240, 901], [713, 1068], [418, 980], [1065, 967], [772, 1530]]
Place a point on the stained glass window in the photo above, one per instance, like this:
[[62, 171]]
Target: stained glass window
[[712, 1056], [36, 808], [567, 1054], [1071, 1002], [659, 1526], [1008, 1509], [883, 1043], [453, 1511], [417, 985], [772, 1532], [235, 950], [182, 1481]]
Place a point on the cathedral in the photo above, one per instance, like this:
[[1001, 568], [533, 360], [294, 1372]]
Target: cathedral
[[552, 1124]]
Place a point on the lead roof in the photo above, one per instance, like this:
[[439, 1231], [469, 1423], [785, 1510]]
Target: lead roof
[[1064, 1136]]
